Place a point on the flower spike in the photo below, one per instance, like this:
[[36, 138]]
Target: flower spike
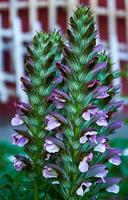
[[69, 116]]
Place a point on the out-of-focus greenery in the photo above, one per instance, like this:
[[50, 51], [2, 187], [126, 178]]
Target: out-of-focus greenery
[[122, 170], [16, 185], [13, 184]]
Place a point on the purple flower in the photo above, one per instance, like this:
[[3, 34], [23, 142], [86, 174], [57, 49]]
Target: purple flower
[[58, 79], [65, 70], [102, 122], [52, 123], [26, 83], [115, 160], [84, 187], [59, 117], [92, 111], [86, 116], [92, 83], [116, 125], [54, 120], [59, 135], [22, 107], [19, 139], [100, 66], [89, 135], [50, 146], [101, 92], [89, 112], [113, 189], [18, 164], [49, 172], [98, 171], [114, 105], [16, 121], [59, 97], [112, 185], [98, 48], [103, 172], [102, 146], [83, 166], [113, 156], [102, 118]]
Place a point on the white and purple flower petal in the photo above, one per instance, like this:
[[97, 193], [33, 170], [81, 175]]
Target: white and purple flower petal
[[93, 110], [18, 164], [86, 116], [89, 135], [16, 121], [89, 157], [19, 139], [113, 189], [112, 185], [89, 112], [102, 121], [83, 166], [100, 66], [52, 123], [49, 172], [98, 48], [113, 156], [50, 146], [83, 139], [84, 187], [98, 170], [115, 160], [92, 83], [93, 139], [102, 174], [58, 97], [101, 92], [102, 146]]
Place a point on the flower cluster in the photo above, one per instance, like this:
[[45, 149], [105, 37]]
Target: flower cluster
[[70, 116]]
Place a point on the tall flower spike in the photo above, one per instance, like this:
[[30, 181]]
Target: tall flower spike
[[68, 147], [38, 84], [88, 77]]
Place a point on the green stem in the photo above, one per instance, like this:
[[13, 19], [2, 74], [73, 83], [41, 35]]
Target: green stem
[[36, 193]]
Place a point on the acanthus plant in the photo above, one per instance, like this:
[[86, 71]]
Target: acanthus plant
[[41, 77], [70, 115]]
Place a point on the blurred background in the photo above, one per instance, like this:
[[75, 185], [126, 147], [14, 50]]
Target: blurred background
[[20, 19]]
